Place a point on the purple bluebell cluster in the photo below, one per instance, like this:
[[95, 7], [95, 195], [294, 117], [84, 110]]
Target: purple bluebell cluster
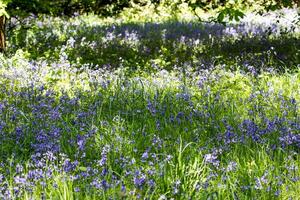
[[254, 44]]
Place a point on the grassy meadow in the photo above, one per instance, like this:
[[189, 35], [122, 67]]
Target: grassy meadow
[[96, 108]]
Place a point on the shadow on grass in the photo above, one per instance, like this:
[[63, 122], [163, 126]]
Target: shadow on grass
[[150, 46]]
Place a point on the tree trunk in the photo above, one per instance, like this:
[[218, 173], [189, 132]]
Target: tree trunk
[[2, 33]]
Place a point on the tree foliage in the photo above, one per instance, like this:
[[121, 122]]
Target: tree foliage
[[66, 7], [112, 7], [3, 4], [226, 8]]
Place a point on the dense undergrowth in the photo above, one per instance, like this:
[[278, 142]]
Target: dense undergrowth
[[182, 110]]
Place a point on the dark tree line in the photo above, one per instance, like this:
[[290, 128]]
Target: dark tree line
[[112, 7], [65, 7]]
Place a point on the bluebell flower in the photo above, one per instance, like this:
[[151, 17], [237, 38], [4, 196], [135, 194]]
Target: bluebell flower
[[145, 155], [232, 166], [76, 189], [20, 180], [176, 187]]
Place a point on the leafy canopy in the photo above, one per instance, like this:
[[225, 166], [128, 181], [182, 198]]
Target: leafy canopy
[[3, 4], [227, 9]]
